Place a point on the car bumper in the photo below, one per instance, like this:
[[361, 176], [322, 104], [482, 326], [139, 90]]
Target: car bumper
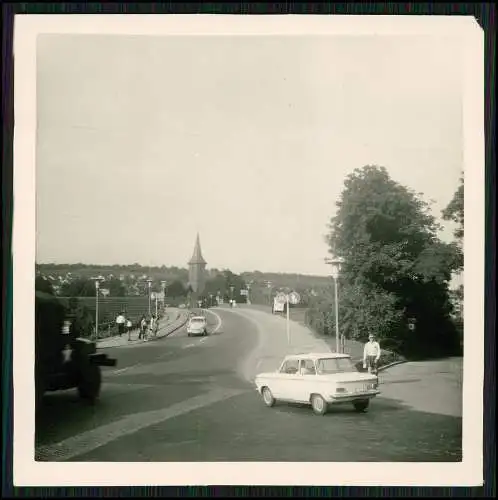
[[347, 398], [195, 332]]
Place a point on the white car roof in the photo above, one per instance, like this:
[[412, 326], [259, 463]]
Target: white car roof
[[317, 355], [197, 318]]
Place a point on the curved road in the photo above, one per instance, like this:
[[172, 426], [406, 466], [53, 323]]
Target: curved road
[[191, 399]]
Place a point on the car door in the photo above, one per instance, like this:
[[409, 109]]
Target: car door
[[288, 379], [306, 380]]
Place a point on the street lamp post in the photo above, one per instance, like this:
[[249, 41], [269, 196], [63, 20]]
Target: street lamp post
[[149, 283], [248, 296], [268, 285], [163, 288], [336, 267], [97, 281]]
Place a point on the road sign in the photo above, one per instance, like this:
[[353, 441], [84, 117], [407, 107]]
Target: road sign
[[294, 298], [243, 292]]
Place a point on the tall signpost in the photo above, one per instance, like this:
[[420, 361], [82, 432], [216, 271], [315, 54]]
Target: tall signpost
[[163, 287], [294, 299], [288, 298], [336, 267], [149, 283], [268, 285], [97, 281]]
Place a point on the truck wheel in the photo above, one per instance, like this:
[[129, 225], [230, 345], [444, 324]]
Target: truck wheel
[[90, 382], [361, 406]]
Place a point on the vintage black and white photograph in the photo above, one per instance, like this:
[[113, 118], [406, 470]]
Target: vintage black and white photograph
[[247, 250]]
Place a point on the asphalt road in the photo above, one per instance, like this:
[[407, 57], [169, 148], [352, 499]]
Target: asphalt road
[[186, 399]]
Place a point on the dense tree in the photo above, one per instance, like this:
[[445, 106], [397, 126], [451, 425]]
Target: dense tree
[[80, 287], [221, 284], [455, 212], [116, 287], [43, 285], [82, 318], [396, 271], [176, 289]]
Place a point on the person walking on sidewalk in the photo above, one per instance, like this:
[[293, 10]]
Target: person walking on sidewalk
[[371, 354], [129, 327], [152, 325], [120, 321], [143, 327]]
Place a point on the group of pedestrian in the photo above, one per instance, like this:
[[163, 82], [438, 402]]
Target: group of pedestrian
[[147, 327]]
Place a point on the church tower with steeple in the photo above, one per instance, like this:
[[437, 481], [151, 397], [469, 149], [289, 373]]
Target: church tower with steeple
[[197, 269]]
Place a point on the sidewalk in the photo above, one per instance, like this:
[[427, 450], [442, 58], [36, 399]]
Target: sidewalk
[[429, 386], [173, 319]]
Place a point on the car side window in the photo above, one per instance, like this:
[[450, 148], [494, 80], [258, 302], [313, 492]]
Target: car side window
[[290, 367], [307, 367]]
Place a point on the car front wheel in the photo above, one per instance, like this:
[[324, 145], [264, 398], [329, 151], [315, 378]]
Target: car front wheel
[[361, 406], [318, 404], [268, 397]]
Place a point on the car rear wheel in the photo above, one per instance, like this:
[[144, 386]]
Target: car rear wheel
[[318, 404], [361, 406], [268, 397]]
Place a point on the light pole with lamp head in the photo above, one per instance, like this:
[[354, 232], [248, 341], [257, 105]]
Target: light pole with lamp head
[[248, 297], [149, 284], [268, 285], [336, 267], [97, 281], [163, 288]]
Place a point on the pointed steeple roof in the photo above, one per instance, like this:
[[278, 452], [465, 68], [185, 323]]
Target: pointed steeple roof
[[197, 255]]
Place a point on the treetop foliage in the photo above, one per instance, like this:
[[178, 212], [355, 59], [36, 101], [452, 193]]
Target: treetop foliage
[[396, 270]]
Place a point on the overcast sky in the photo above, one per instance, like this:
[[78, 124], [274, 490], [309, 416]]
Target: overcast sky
[[145, 141]]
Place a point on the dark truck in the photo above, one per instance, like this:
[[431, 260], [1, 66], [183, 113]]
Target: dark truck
[[62, 359]]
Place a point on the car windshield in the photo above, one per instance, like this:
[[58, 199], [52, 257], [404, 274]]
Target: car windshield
[[197, 320], [326, 366]]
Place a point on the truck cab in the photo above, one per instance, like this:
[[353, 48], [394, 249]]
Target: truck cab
[[62, 359]]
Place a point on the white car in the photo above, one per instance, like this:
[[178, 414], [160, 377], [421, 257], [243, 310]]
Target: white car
[[321, 380], [197, 325]]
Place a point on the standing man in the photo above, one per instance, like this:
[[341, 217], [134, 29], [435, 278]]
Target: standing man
[[371, 354], [143, 328], [121, 321], [129, 327], [152, 325]]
